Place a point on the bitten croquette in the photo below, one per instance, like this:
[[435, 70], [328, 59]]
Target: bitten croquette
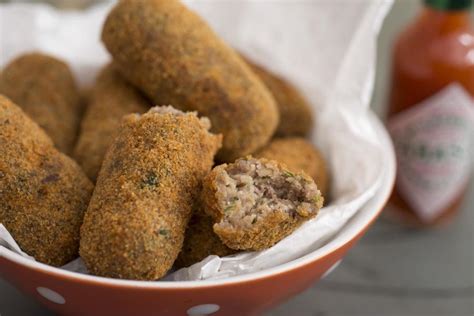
[[174, 57], [255, 203], [296, 116], [111, 98], [43, 193], [146, 189], [43, 86], [298, 154]]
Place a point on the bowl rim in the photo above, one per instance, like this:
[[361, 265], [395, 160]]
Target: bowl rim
[[359, 223]]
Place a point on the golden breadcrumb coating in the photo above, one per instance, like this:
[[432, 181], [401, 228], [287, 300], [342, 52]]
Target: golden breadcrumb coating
[[200, 241], [111, 98], [44, 88], [43, 193], [296, 116], [146, 189], [174, 57]]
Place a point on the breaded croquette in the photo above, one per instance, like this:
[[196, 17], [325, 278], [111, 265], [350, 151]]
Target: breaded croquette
[[174, 57], [296, 116], [43, 193], [44, 88], [146, 189], [111, 98], [200, 241], [255, 203], [298, 155]]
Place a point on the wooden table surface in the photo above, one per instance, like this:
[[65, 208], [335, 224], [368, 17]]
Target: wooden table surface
[[393, 271]]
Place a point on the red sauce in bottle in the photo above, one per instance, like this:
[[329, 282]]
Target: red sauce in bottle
[[434, 52]]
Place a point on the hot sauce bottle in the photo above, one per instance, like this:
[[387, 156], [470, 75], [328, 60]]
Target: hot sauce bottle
[[431, 110]]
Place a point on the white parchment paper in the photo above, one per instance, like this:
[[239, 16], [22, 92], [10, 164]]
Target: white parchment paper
[[325, 47]]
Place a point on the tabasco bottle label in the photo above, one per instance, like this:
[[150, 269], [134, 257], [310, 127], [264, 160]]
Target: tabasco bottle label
[[433, 144]]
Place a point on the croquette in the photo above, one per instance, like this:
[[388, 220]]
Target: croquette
[[200, 241], [44, 88], [255, 203], [298, 155], [147, 186], [296, 116], [43, 193], [174, 57], [111, 98], [84, 100]]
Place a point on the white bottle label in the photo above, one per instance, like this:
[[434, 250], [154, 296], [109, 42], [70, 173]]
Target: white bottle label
[[433, 144]]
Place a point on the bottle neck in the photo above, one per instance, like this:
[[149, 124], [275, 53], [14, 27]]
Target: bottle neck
[[445, 20], [449, 5]]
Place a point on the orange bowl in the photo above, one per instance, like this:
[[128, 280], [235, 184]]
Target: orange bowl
[[69, 293]]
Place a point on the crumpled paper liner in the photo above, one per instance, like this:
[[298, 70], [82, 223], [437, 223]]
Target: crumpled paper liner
[[326, 48]]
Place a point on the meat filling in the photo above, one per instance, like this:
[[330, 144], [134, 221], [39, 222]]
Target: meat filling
[[251, 189]]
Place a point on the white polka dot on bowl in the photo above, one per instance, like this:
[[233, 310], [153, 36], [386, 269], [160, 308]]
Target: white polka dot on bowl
[[51, 295], [204, 309]]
